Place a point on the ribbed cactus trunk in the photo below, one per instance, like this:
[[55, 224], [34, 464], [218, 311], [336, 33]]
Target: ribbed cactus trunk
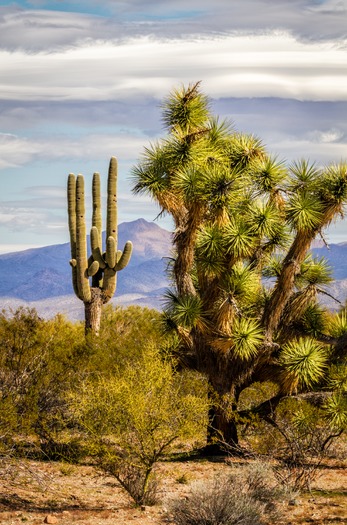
[[92, 312], [94, 278]]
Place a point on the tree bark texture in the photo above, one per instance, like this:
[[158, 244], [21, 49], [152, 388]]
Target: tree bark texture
[[222, 433]]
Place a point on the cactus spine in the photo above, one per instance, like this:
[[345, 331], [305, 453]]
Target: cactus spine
[[102, 266]]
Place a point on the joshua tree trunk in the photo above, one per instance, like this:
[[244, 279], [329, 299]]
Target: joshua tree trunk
[[222, 434]]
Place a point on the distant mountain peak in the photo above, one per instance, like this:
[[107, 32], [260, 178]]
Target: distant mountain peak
[[140, 225], [42, 276], [149, 239], [39, 273]]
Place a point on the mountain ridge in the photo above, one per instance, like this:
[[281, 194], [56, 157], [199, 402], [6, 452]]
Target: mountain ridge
[[40, 273], [41, 277]]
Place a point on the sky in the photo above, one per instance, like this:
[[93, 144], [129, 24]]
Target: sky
[[81, 81]]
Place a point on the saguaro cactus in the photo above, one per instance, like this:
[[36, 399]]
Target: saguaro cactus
[[94, 278]]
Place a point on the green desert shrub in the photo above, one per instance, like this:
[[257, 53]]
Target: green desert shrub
[[38, 362], [123, 334], [44, 362], [133, 417]]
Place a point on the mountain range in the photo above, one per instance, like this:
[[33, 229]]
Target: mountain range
[[41, 277]]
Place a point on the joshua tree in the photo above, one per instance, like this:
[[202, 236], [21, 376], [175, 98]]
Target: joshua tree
[[241, 216], [101, 267]]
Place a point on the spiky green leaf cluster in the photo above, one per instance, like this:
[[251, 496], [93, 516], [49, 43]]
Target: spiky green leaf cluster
[[185, 109], [335, 410], [338, 324], [304, 212], [264, 219], [269, 174], [242, 283], [314, 320], [303, 362], [239, 239], [246, 338], [315, 271], [185, 311]]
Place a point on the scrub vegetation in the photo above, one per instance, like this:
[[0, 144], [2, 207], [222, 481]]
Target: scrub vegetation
[[229, 405]]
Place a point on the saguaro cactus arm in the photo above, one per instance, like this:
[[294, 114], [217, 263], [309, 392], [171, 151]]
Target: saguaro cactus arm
[[93, 268], [81, 243], [96, 247], [97, 215], [111, 252], [71, 199], [113, 260], [124, 259], [111, 221]]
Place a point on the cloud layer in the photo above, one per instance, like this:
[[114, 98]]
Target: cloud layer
[[79, 84], [258, 65], [58, 23]]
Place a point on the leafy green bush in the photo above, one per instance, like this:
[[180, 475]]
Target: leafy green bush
[[123, 334], [38, 361], [41, 360], [133, 417]]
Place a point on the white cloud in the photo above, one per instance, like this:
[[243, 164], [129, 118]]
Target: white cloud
[[77, 88], [46, 191], [20, 219], [234, 65], [309, 148], [48, 29], [324, 145], [55, 147], [45, 30], [330, 6], [327, 136], [11, 145], [39, 215]]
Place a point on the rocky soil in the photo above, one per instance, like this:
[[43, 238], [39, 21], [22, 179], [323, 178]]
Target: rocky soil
[[59, 493]]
